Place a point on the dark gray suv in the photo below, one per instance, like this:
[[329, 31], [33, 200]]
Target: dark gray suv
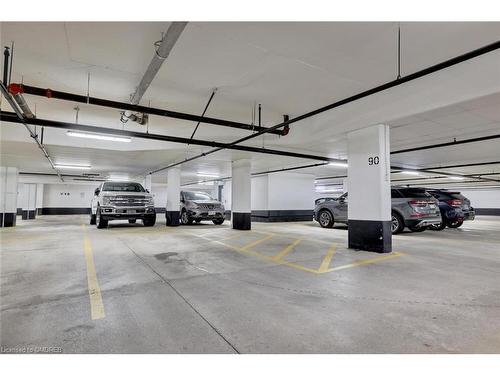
[[411, 207]]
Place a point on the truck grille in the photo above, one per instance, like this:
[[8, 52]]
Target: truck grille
[[208, 206], [128, 201]]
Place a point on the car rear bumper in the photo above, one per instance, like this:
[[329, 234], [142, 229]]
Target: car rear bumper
[[470, 215], [423, 222]]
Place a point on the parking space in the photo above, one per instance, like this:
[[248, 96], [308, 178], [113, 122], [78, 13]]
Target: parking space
[[276, 289]]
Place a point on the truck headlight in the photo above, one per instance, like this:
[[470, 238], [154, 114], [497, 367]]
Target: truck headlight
[[150, 202], [105, 201]]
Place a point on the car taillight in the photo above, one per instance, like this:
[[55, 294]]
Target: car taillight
[[454, 202], [418, 203]]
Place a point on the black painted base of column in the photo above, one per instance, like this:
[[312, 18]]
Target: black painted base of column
[[242, 220], [173, 218], [38, 211], [370, 235], [28, 215], [8, 219]]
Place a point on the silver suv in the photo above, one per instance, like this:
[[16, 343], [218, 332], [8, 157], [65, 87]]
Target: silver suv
[[122, 201], [197, 206], [411, 207]]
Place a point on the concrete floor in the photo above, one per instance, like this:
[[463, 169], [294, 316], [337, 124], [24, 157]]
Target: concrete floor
[[281, 288]]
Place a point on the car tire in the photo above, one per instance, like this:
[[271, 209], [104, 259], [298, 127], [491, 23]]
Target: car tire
[[92, 219], [418, 229], [185, 219], [218, 221], [455, 224], [198, 220], [101, 223], [132, 221], [397, 223], [149, 221], [325, 219]]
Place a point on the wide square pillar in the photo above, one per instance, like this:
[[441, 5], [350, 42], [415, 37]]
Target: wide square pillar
[[29, 201], [172, 214], [241, 195], [8, 196], [369, 186]]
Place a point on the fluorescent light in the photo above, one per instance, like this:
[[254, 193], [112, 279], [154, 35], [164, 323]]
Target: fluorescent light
[[338, 164], [66, 166], [203, 174], [456, 178], [413, 173], [101, 137]]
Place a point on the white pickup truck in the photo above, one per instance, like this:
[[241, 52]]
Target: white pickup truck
[[122, 201]]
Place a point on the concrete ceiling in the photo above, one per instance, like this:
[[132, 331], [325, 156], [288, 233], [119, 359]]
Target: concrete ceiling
[[291, 68]]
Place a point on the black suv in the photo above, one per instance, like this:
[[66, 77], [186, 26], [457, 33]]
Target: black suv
[[454, 207]]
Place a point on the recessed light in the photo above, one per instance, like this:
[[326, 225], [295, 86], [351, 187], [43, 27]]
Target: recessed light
[[338, 164], [456, 178], [101, 137], [67, 166]]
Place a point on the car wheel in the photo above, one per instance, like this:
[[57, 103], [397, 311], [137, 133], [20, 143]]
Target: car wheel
[[397, 223], [132, 221], [148, 221], [455, 224], [101, 223], [325, 219], [92, 219], [218, 221], [185, 219], [418, 229]]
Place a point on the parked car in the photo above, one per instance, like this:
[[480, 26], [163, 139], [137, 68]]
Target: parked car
[[197, 206], [413, 208], [454, 207], [122, 201]]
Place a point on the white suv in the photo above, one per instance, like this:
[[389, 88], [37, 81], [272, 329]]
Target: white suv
[[122, 201]]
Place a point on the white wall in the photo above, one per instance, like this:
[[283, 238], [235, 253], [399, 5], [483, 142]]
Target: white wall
[[260, 187], [67, 195], [159, 192], [291, 191], [483, 198]]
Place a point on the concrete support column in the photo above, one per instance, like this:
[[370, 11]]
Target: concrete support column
[[173, 197], [146, 183], [369, 208], [39, 199], [241, 195], [8, 196], [29, 202]]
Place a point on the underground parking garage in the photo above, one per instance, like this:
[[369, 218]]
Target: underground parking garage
[[250, 187]]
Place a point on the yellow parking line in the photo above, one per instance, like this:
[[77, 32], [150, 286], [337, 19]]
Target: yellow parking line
[[286, 250], [96, 305], [255, 243], [327, 260], [363, 262]]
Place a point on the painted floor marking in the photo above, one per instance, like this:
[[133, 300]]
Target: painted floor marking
[[364, 262], [327, 259], [286, 250], [96, 305]]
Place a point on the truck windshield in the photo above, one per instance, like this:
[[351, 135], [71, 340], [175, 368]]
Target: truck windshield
[[197, 196], [123, 186]]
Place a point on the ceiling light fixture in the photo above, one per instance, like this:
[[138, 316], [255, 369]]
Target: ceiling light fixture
[[413, 173], [67, 166], [456, 178], [101, 137], [203, 174], [338, 164]]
